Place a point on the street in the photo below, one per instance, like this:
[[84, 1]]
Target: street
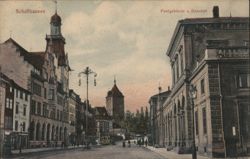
[[104, 152]]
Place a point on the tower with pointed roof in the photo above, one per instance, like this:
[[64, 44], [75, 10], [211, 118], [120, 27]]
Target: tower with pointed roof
[[115, 103]]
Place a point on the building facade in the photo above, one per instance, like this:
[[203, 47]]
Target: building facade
[[15, 115], [21, 117], [115, 104], [211, 54], [46, 75], [73, 102], [156, 117], [103, 124]]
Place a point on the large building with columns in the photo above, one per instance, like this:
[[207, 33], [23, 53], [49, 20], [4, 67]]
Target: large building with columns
[[211, 54]]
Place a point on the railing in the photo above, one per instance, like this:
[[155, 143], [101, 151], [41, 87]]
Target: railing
[[226, 53]]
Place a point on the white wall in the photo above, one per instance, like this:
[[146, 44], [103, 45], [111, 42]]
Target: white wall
[[20, 116]]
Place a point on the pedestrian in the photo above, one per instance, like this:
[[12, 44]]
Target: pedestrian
[[129, 143], [123, 144], [146, 142]]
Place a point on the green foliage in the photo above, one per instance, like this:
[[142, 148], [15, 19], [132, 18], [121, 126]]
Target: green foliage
[[136, 123]]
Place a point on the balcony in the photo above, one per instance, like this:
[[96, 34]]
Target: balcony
[[227, 53]]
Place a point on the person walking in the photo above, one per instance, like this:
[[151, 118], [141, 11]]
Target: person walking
[[146, 142]]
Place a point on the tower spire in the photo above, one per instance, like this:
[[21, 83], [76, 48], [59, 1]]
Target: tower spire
[[55, 1], [114, 79]]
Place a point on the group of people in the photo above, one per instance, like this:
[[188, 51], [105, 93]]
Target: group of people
[[142, 142], [139, 142]]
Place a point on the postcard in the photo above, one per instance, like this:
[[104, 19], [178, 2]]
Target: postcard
[[125, 79]]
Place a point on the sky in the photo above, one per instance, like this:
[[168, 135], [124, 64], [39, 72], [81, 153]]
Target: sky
[[123, 38]]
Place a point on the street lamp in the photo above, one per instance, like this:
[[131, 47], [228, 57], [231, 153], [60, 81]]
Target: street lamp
[[20, 139], [193, 95], [87, 72]]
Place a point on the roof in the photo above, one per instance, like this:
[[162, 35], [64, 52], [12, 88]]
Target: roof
[[115, 92], [55, 19], [101, 113], [13, 83], [213, 20], [34, 58], [201, 21], [162, 94]]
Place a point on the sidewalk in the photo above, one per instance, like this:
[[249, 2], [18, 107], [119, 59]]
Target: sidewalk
[[173, 155], [25, 152]]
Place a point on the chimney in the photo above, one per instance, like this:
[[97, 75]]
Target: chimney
[[216, 12]]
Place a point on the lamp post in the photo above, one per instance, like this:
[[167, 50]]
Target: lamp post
[[20, 139], [193, 95], [87, 72]]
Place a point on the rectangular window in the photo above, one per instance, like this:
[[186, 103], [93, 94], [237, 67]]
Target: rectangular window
[[57, 115], [51, 94], [26, 96], [10, 89], [44, 109], [61, 115], [36, 89], [24, 125], [202, 86], [8, 122], [21, 94], [244, 80], [204, 120], [196, 123], [17, 107], [59, 100], [45, 93], [39, 108], [53, 113], [11, 104], [16, 93], [16, 125], [7, 104], [33, 107], [24, 109]]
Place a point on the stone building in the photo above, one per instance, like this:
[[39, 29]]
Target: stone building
[[115, 104], [16, 117], [103, 124], [85, 122], [156, 117], [72, 103], [211, 54], [46, 75]]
